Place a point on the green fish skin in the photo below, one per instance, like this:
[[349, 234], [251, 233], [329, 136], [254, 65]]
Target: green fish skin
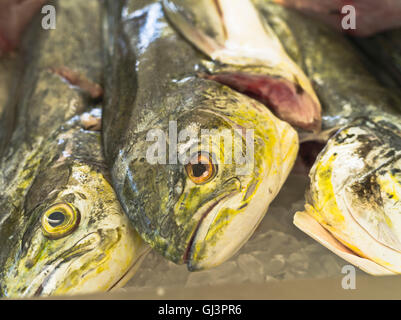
[[384, 51], [153, 81], [10, 73], [353, 202], [61, 226]]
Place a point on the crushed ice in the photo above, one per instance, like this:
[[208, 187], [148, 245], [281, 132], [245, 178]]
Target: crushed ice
[[276, 251]]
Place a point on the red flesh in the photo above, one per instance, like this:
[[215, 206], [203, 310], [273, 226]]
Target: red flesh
[[286, 99]]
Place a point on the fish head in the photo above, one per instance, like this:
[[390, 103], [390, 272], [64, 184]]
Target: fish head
[[75, 239], [248, 56], [356, 188], [222, 164]]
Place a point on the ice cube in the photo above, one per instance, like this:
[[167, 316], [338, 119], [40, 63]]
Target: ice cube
[[298, 262], [275, 266], [226, 273], [251, 266]]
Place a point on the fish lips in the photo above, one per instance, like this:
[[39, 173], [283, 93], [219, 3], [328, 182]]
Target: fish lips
[[54, 277], [40, 280], [223, 229]]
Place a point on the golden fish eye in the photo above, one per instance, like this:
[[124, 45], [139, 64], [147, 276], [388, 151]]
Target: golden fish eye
[[60, 220], [200, 168]]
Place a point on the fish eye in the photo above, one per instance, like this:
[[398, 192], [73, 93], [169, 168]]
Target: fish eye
[[200, 168], [60, 220]]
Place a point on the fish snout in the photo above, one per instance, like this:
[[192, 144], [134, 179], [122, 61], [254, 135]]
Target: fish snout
[[223, 229]]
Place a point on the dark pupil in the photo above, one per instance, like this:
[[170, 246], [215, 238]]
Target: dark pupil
[[56, 218], [198, 170]]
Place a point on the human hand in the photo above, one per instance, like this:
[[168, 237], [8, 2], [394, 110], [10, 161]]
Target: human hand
[[14, 17], [372, 16]]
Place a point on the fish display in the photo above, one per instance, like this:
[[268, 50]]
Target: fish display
[[165, 130], [171, 126], [250, 56], [353, 200], [62, 228]]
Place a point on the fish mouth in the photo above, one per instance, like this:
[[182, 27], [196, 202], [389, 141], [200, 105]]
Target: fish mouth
[[120, 282], [287, 99], [131, 270], [78, 252], [36, 287], [187, 254], [192, 257]]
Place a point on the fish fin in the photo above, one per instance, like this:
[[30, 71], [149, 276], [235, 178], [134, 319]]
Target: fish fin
[[322, 136], [311, 227], [241, 15], [216, 27], [194, 35], [76, 78]]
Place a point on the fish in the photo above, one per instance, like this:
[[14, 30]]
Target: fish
[[384, 51], [248, 56], [10, 73], [352, 204], [196, 203], [62, 229], [75, 237]]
